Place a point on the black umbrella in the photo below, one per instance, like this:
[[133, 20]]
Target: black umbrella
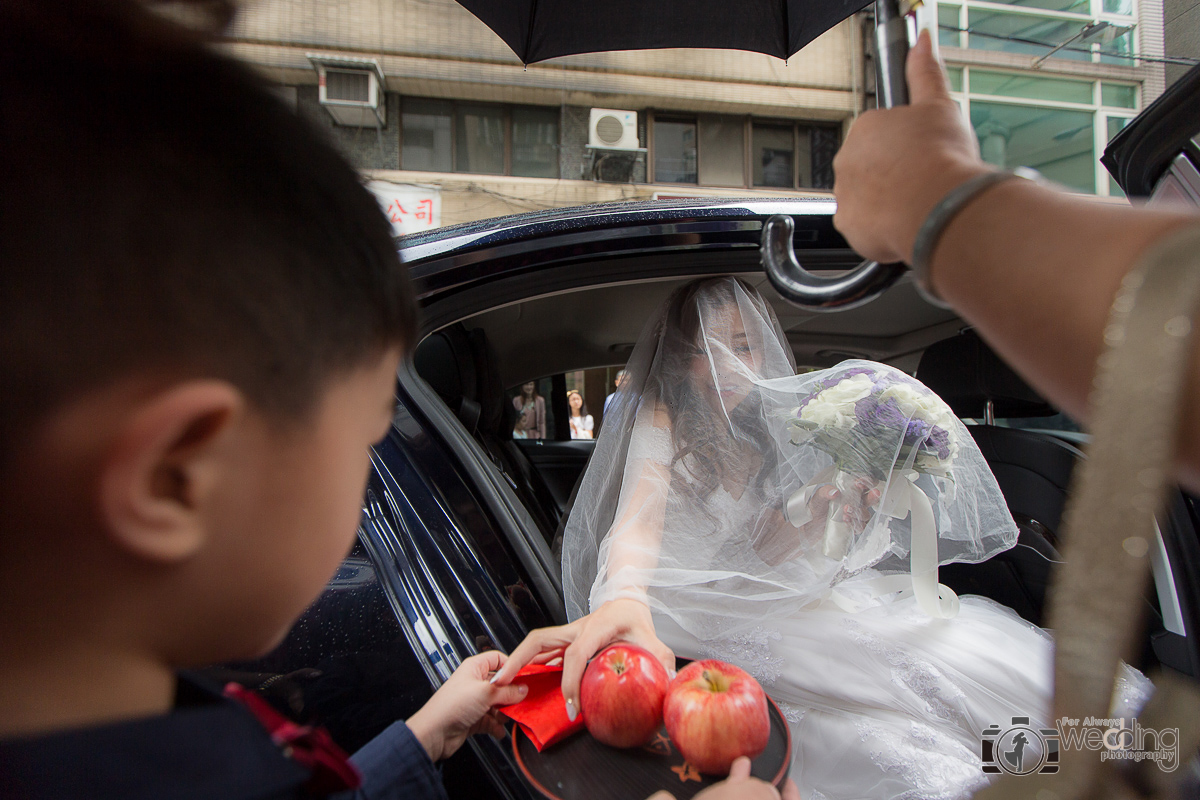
[[541, 29]]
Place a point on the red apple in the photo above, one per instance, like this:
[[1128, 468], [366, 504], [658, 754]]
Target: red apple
[[621, 695], [716, 712]]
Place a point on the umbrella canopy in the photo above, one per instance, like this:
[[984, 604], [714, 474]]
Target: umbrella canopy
[[540, 29]]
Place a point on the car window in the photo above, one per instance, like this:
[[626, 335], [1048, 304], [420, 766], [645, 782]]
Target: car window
[[345, 665], [1058, 422], [595, 389], [1059, 425]]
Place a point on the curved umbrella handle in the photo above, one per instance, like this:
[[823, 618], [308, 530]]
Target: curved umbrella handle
[[867, 281], [814, 292]]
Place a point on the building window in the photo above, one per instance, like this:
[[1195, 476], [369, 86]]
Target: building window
[[1032, 27], [427, 142], [675, 151], [1058, 126], [479, 139], [535, 142], [737, 152], [722, 151], [448, 136], [773, 155]]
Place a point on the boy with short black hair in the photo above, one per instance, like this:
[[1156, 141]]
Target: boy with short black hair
[[201, 316]]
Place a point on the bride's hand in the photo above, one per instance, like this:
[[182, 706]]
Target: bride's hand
[[818, 510], [621, 620], [857, 506]]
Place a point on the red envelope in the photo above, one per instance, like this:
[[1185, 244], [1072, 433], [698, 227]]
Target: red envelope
[[543, 712]]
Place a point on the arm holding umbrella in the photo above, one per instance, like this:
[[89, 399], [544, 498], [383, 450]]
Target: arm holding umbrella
[[1026, 263]]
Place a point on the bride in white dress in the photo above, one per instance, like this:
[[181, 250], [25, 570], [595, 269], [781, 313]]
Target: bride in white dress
[[793, 525]]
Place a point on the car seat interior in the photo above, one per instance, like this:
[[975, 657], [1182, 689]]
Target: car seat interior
[[1033, 469]]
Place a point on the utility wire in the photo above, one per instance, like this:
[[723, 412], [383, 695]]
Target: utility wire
[[1182, 60]]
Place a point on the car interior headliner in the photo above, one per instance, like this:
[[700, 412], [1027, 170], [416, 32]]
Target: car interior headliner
[[597, 327]]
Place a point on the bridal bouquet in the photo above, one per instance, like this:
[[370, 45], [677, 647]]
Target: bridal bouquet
[[872, 421], [881, 428]]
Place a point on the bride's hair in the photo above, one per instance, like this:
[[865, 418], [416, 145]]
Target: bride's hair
[[709, 445]]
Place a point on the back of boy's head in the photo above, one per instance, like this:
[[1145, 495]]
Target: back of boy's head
[[161, 213]]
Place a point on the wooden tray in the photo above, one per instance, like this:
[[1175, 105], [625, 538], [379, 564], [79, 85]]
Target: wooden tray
[[580, 767]]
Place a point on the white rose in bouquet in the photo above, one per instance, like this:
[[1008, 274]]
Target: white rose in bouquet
[[834, 407]]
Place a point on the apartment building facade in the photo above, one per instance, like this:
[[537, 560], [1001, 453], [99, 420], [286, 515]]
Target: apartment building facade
[[450, 127]]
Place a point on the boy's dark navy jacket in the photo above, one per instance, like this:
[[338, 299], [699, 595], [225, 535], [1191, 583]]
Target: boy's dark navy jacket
[[209, 746]]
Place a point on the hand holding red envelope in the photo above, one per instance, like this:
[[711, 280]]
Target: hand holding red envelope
[[542, 715]]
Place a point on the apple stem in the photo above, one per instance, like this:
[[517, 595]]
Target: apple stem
[[715, 682]]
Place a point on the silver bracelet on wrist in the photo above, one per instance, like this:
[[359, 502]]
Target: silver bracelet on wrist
[[942, 214]]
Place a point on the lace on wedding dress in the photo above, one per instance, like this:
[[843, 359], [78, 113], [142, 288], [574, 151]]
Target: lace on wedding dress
[[750, 650], [922, 760], [651, 443]]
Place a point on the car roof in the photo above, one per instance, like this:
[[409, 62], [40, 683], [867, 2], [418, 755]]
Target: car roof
[[427, 252]]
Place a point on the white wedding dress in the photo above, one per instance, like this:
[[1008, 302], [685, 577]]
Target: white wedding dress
[[883, 699]]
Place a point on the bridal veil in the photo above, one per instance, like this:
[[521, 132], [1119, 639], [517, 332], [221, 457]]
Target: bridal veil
[[703, 497]]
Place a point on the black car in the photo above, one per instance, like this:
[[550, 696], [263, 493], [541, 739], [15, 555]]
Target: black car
[[457, 551]]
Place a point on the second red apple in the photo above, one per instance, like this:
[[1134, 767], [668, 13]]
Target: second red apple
[[716, 712]]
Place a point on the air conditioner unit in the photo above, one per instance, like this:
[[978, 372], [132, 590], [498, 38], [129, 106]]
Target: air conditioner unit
[[351, 90], [613, 130]]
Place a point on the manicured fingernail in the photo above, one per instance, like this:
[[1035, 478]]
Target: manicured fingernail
[[522, 690], [493, 678], [671, 674], [571, 712]]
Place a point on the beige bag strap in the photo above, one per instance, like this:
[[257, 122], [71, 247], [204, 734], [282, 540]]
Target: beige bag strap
[[1096, 600]]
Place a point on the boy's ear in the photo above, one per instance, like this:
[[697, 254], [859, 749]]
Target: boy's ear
[[164, 463]]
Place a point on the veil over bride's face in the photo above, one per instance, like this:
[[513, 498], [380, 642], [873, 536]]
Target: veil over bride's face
[[731, 340], [725, 364]]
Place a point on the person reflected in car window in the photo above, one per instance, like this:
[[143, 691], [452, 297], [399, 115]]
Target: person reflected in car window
[[608, 401], [531, 413], [581, 421]]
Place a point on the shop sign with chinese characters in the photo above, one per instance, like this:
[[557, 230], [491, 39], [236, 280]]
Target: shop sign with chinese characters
[[409, 208]]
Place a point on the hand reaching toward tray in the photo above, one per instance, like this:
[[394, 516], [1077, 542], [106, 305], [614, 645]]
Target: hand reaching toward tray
[[617, 620], [463, 706], [740, 786]]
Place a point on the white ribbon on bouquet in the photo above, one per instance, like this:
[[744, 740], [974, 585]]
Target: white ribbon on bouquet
[[901, 498]]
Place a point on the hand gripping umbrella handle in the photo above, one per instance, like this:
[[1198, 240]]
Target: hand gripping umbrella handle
[[869, 279]]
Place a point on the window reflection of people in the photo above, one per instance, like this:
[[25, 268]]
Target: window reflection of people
[[531, 413], [616, 383], [581, 421]]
